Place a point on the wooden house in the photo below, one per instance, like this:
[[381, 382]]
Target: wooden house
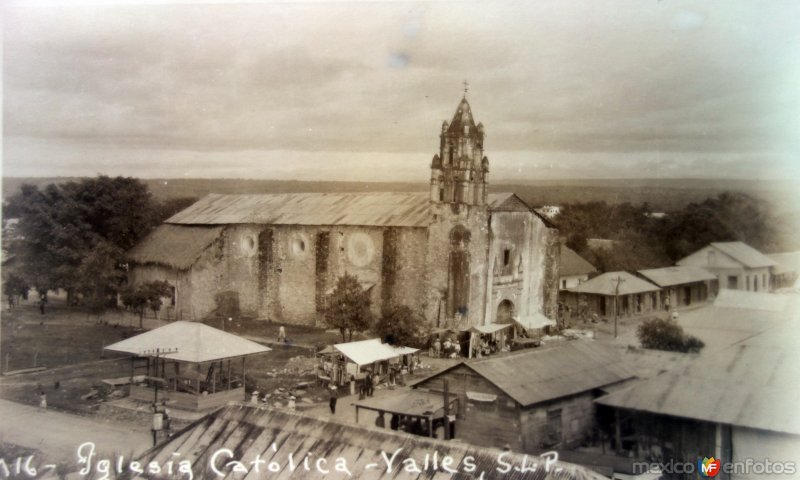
[[532, 400]]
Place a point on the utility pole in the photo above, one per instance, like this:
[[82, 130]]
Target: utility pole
[[158, 416], [618, 281]]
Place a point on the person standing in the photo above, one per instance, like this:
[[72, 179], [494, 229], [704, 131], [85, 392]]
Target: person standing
[[334, 398], [369, 384], [42, 400], [380, 422], [281, 334]]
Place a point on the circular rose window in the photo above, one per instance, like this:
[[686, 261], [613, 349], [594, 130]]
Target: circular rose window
[[248, 245], [360, 249]]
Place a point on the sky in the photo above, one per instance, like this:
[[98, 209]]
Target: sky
[[358, 90]]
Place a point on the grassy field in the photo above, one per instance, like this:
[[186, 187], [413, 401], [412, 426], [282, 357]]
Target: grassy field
[[69, 344]]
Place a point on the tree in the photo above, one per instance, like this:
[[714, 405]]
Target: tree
[[665, 334], [399, 325], [145, 296], [13, 287], [99, 279], [348, 307], [62, 225]]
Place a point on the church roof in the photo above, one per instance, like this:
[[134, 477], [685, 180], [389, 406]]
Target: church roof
[[463, 116], [510, 202], [364, 209], [173, 246]]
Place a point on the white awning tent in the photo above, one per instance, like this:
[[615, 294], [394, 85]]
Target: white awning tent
[[534, 321], [367, 352], [490, 328]]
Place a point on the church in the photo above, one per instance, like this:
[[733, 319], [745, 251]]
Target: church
[[458, 255]]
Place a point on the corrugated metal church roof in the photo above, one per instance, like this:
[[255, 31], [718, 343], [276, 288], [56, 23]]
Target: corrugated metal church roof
[[364, 209], [274, 435]]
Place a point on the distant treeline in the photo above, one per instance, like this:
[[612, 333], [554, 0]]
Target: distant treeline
[[659, 194], [644, 240]]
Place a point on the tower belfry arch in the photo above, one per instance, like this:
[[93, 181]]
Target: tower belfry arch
[[459, 172]]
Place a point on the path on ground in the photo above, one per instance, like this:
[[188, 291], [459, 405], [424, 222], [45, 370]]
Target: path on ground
[[58, 435]]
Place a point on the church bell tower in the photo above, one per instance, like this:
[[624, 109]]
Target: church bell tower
[[459, 171]]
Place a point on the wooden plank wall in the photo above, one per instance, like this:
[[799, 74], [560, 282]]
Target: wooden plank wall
[[493, 424]]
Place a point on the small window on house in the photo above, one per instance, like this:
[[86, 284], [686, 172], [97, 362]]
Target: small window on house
[[506, 256], [733, 282], [564, 283], [441, 194], [712, 259]]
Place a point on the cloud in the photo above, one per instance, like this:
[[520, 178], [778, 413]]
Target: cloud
[[607, 79]]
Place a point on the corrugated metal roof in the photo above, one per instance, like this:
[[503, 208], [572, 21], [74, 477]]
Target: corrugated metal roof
[[365, 352], [545, 374], [570, 263], [606, 284], [195, 342], [680, 275], [744, 254], [366, 209], [746, 385], [174, 246], [251, 431]]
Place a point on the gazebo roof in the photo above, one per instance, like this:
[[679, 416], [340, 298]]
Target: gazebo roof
[[192, 342]]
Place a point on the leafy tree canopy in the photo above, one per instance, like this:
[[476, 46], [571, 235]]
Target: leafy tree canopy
[[665, 334], [399, 325], [66, 228], [348, 307], [147, 295]]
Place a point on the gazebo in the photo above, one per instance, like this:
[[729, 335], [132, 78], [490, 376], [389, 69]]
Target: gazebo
[[189, 364]]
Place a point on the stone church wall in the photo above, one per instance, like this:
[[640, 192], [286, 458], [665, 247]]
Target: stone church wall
[[446, 217]]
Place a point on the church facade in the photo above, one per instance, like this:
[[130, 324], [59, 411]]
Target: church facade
[[458, 255]]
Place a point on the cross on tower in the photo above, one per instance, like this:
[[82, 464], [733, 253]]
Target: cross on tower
[[466, 88]]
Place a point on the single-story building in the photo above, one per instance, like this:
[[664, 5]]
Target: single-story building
[[603, 293], [340, 362], [736, 400], [533, 400], [735, 404], [573, 269], [245, 433], [738, 266], [681, 285], [190, 365]]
